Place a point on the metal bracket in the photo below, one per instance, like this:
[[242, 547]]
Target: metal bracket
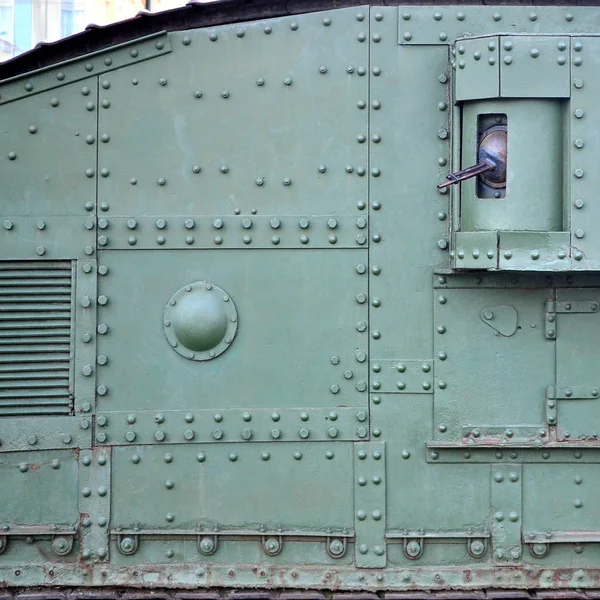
[[413, 548], [272, 545], [127, 544], [477, 547], [62, 544], [208, 544], [336, 547], [539, 549]]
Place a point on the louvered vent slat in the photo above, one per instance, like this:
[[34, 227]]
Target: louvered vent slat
[[35, 338]]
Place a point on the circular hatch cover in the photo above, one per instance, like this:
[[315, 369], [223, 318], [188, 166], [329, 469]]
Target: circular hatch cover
[[200, 321]]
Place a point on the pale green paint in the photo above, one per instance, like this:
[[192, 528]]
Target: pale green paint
[[366, 398]]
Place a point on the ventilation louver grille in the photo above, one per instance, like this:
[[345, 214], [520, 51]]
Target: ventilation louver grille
[[35, 338]]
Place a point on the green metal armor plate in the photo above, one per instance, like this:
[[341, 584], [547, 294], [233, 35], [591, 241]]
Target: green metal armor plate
[[247, 342]]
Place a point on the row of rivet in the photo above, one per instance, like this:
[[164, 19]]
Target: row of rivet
[[579, 144], [232, 456], [224, 169], [89, 67], [246, 434], [461, 16]]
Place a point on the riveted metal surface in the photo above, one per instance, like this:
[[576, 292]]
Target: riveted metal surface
[[583, 142], [262, 357], [370, 520], [95, 494], [474, 361], [405, 423], [85, 360], [35, 187], [506, 513], [202, 499], [402, 376], [232, 231], [51, 478], [576, 370], [390, 401], [82, 67], [478, 68], [399, 251], [571, 508], [426, 25], [35, 237], [235, 425], [475, 250], [535, 66], [531, 251], [277, 138], [54, 432]]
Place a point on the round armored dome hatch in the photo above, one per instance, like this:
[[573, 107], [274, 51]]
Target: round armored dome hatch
[[200, 321]]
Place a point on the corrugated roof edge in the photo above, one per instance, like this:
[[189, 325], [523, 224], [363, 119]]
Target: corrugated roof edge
[[196, 14]]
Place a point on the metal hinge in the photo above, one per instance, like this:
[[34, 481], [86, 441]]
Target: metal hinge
[[552, 308]]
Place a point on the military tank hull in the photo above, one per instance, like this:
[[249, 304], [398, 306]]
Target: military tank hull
[[300, 300]]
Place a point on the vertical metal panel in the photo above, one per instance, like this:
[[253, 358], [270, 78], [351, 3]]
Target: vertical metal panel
[[584, 145], [370, 504], [410, 149], [95, 494], [507, 518], [577, 366]]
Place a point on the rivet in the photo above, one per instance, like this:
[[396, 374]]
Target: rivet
[[376, 104], [532, 16], [376, 38]]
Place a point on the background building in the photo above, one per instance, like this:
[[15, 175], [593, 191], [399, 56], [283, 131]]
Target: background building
[[24, 23]]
